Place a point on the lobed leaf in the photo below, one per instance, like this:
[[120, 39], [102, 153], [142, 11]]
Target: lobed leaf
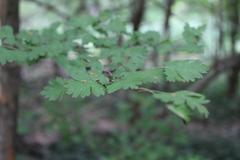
[[193, 101], [55, 89], [184, 71], [131, 80]]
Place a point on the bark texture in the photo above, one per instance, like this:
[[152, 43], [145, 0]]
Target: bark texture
[[9, 86]]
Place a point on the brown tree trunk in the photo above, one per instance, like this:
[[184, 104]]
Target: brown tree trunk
[[233, 81], [233, 78], [168, 13], [220, 26], [9, 85], [138, 11]]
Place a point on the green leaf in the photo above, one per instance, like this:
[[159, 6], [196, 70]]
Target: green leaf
[[84, 88], [192, 37], [164, 47], [78, 88], [83, 21], [131, 80], [181, 111], [97, 89], [193, 101], [184, 71], [135, 57], [6, 33], [151, 38], [191, 34], [106, 42], [116, 25], [12, 56], [55, 89], [84, 84]]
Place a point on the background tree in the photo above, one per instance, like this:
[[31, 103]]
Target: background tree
[[138, 11]]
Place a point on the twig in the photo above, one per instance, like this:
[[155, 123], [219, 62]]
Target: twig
[[142, 89]]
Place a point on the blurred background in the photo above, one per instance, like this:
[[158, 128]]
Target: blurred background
[[129, 125]]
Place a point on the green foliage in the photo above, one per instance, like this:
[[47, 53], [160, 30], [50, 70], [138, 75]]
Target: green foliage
[[132, 80], [84, 88], [55, 89], [7, 34], [145, 138], [192, 37], [180, 102], [184, 71], [100, 57]]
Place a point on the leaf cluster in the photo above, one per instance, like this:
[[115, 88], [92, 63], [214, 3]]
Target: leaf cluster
[[100, 57]]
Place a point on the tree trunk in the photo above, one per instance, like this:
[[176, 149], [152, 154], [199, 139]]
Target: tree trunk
[[168, 12], [233, 81], [9, 86], [220, 26], [138, 11], [233, 78]]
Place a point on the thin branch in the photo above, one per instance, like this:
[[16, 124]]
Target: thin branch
[[142, 89], [168, 13], [172, 13]]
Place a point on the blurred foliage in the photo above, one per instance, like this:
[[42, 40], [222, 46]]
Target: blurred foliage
[[145, 138]]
